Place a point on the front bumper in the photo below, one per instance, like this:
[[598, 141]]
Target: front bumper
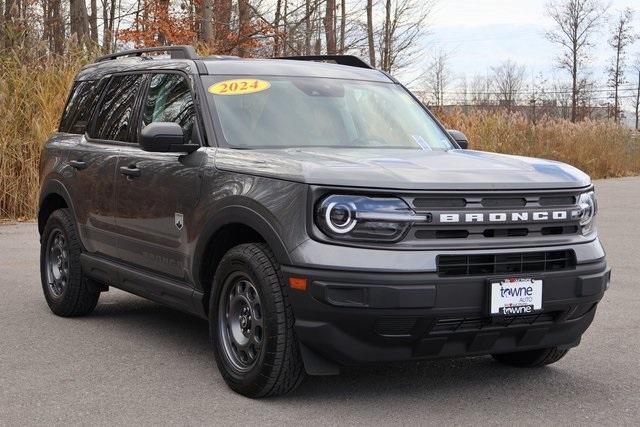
[[351, 318]]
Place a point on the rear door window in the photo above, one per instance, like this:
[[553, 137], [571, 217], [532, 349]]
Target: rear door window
[[81, 104], [115, 114]]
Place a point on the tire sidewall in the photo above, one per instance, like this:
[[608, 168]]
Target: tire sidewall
[[253, 381], [44, 268], [59, 220]]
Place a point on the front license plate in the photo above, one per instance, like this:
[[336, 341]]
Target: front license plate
[[512, 297]]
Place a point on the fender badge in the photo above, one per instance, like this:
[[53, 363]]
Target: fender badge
[[179, 220]]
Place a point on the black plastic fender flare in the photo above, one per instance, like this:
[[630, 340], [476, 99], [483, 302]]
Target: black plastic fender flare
[[250, 216], [53, 186]]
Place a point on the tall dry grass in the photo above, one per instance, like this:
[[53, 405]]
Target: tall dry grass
[[602, 149], [33, 93]]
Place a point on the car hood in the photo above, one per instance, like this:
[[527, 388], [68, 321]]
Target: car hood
[[403, 168]]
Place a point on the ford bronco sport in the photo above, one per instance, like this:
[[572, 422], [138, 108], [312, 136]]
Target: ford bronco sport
[[315, 213]]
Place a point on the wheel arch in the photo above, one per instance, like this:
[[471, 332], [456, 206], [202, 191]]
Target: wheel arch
[[232, 225], [53, 196]]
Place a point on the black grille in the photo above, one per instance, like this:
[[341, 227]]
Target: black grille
[[557, 200], [454, 202], [442, 234], [567, 229], [463, 324], [395, 326], [462, 234], [492, 201], [505, 232], [496, 202], [509, 263], [502, 232]]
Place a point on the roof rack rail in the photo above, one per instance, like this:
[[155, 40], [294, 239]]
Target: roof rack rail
[[221, 57], [176, 52], [350, 60]]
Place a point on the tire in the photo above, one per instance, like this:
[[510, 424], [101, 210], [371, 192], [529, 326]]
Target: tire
[[531, 358], [67, 291], [249, 307]]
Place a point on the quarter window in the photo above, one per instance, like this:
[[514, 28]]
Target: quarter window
[[82, 101], [113, 120], [169, 100]]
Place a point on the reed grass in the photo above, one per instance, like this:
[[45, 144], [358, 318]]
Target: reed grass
[[32, 95], [603, 149]]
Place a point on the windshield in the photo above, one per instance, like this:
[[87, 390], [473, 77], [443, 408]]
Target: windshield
[[279, 112]]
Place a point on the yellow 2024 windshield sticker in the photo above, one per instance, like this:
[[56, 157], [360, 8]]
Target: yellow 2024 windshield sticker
[[239, 87]]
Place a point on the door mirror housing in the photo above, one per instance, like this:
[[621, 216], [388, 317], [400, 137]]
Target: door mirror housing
[[165, 137], [459, 138]]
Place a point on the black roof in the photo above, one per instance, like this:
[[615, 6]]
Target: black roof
[[185, 59]]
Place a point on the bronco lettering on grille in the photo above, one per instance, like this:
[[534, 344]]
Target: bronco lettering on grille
[[505, 217]]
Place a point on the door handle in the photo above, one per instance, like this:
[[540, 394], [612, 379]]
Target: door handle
[[78, 164], [130, 171]]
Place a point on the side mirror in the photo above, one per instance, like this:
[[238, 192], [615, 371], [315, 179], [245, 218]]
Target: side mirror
[[165, 137], [459, 137]]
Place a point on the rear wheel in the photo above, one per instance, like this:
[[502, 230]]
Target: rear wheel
[[67, 292], [251, 324], [531, 358]]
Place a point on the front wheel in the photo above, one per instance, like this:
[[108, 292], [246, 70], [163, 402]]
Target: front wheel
[[251, 324], [531, 358]]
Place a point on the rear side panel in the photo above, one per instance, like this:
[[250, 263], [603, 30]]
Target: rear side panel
[[92, 190], [81, 171]]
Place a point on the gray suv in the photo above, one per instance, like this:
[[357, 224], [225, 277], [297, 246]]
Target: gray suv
[[315, 213]]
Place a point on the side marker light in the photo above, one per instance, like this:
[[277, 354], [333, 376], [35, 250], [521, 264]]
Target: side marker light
[[298, 283]]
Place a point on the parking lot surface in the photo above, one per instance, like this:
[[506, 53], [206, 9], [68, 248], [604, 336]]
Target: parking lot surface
[[136, 362]]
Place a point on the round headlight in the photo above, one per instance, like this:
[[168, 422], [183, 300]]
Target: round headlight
[[587, 204], [340, 217], [586, 212], [363, 218]]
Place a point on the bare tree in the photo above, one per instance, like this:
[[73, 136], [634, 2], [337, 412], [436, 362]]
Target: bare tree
[[329, 27], [276, 27], [372, 49], [463, 91], [343, 25], [53, 25], [587, 101], [2, 29], [11, 22], [437, 79], [285, 30], [221, 21], [538, 98], [480, 89], [575, 22], [404, 25], [386, 38], [562, 98], [206, 30], [93, 21], [508, 79], [637, 99], [79, 20], [108, 24], [622, 37], [244, 18]]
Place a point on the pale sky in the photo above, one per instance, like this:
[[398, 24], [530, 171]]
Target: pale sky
[[481, 33]]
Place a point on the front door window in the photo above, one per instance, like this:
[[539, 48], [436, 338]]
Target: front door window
[[169, 100]]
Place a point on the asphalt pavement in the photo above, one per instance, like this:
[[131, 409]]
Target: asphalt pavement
[[135, 362]]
